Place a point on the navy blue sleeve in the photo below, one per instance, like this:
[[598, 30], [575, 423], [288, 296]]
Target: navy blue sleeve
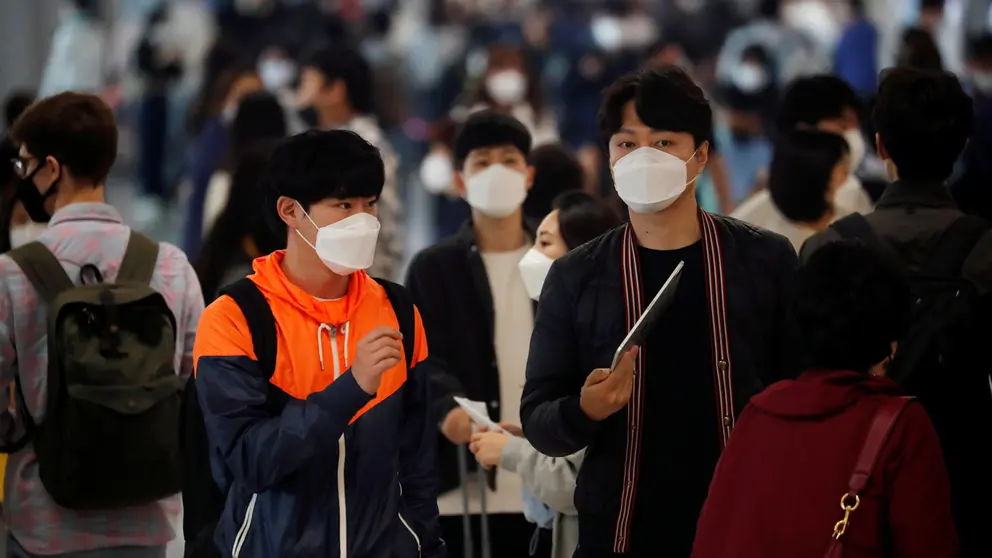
[[262, 447]]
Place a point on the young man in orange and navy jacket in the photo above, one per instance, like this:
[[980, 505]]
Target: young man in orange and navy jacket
[[334, 454]]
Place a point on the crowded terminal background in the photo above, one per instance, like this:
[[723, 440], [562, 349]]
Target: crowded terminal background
[[202, 91], [176, 71]]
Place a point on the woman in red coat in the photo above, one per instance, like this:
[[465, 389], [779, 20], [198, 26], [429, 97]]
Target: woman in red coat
[[778, 485]]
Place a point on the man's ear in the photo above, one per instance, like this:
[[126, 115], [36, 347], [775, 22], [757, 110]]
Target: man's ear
[[703, 155], [290, 212], [530, 178], [459, 184]]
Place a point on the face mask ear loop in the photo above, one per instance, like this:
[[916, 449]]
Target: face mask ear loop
[[687, 163], [310, 244]]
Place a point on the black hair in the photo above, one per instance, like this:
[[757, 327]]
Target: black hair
[[583, 217], [15, 105], [488, 128], [665, 98], [321, 164], [260, 117], [239, 221], [77, 129], [556, 170], [849, 305], [347, 64], [809, 100], [222, 65], [800, 173], [919, 50], [924, 119]]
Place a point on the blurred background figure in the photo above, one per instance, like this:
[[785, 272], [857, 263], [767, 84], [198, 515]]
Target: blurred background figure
[[77, 55]]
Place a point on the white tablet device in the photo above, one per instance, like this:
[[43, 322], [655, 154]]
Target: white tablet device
[[478, 412], [661, 301]]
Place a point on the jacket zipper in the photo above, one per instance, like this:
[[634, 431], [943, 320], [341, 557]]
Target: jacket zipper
[[420, 550], [239, 539], [342, 504]]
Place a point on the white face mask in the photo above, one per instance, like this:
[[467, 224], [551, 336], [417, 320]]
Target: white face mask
[[649, 180], [534, 268], [497, 191], [749, 78], [436, 173], [507, 87], [348, 245], [26, 234], [856, 145], [276, 73]]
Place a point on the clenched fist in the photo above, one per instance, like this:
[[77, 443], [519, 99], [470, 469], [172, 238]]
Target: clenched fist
[[377, 352], [606, 392]]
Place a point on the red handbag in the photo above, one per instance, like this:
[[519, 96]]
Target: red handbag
[[881, 425]]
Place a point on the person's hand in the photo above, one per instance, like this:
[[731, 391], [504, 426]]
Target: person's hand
[[488, 446], [606, 392], [377, 352], [457, 426], [512, 429]]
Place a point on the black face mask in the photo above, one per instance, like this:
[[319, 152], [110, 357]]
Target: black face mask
[[33, 200], [309, 117]]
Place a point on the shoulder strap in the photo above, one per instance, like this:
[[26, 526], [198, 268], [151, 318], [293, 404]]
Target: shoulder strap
[[261, 322], [402, 304], [954, 245], [856, 227], [42, 269], [881, 425], [139, 260]]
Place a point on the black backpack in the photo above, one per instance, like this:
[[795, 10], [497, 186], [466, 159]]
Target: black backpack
[[943, 336], [203, 500], [108, 439]]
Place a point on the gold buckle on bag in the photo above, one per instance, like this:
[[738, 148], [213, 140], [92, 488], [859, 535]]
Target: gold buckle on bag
[[845, 504]]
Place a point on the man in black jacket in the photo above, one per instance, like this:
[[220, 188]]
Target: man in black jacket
[[917, 224], [655, 426], [479, 317]]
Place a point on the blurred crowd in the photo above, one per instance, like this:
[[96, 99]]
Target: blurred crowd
[[406, 74]]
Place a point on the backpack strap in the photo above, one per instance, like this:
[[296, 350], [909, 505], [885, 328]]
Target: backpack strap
[[139, 260], [402, 304], [261, 322], [42, 269], [954, 246], [856, 227]]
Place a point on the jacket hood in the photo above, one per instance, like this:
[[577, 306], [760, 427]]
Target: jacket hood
[[271, 279], [821, 393]]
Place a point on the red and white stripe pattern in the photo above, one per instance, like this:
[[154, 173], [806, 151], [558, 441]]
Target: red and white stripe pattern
[[633, 293]]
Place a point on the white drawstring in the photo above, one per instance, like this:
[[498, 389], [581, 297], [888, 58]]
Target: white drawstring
[[330, 330], [347, 332], [320, 344]]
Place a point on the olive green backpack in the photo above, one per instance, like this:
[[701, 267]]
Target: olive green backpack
[[109, 437]]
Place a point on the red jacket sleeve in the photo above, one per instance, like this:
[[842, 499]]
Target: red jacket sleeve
[[920, 496]]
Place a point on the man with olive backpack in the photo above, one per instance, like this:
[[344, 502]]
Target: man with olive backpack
[[96, 334]]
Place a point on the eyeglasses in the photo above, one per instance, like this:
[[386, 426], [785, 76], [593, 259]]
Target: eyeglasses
[[20, 166]]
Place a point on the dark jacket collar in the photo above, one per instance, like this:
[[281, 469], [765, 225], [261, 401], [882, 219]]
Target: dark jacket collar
[[466, 234], [902, 194]]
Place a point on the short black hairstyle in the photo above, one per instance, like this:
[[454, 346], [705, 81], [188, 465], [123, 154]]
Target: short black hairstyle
[[665, 98], [488, 128], [15, 105], [77, 129], [849, 305], [924, 119], [556, 170], [583, 217], [800, 173], [340, 61], [807, 101], [321, 164]]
